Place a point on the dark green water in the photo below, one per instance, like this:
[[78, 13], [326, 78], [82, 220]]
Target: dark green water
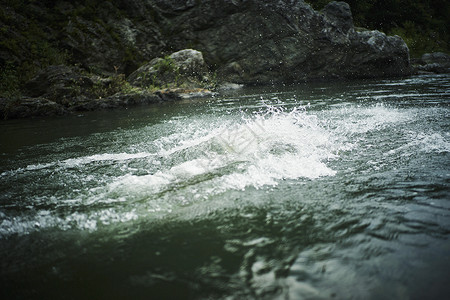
[[319, 191]]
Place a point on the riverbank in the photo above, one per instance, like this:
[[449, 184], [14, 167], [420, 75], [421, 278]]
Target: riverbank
[[62, 90], [102, 55], [59, 90]]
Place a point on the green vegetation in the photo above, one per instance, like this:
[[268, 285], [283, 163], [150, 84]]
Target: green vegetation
[[166, 65], [166, 75], [423, 24], [112, 85]]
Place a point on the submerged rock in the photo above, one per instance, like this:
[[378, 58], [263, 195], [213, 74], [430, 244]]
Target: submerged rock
[[25, 107], [193, 93], [228, 86], [436, 62], [118, 100], [436, 58]]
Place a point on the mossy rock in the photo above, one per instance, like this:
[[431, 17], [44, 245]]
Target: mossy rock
[[185, 68]]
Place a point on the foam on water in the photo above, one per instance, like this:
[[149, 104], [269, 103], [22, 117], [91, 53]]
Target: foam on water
[[361, 119], [80, 161], [252, 153], [423, 142], [202, 158]]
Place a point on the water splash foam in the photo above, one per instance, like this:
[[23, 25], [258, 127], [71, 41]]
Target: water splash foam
[[199, 159]]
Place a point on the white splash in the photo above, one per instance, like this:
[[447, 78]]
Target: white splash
[[200, 159]]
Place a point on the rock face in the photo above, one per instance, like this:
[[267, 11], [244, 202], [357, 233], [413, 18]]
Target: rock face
[[29, 107], [282, 41], [57, 83], [243, 41]]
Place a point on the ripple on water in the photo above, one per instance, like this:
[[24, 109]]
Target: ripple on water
[[345, 198]]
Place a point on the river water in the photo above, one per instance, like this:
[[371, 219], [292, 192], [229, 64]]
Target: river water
[[335, 190]]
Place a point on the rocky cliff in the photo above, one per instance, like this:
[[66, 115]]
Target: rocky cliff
[[283, 41], [242, 41], [245, 40]]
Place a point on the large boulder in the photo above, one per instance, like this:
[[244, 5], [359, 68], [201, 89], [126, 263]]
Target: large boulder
[[374, 54], [282, 41], [189, 62], [185, 68]]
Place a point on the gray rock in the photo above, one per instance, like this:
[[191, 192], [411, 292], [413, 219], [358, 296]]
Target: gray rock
[[436, 57], [183, 68], [58, 83], [436, 62], [373, 54], [261, 42], [29, 107], [190, 62]]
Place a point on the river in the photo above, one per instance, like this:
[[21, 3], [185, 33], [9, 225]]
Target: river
[[333, 190]]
